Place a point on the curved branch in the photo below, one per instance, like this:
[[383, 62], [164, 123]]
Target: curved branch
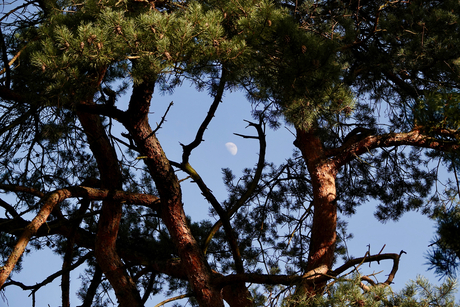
[[69, 252], [373, 258], [224, 217], [49, 203], [57, 197], [50, 278], [89, 193], [416, 138], [172, 212], [92, 289], [5, 59], [252, 186], [204, 125], [10, 209], [313, 276], [172, 299], [22, 189]]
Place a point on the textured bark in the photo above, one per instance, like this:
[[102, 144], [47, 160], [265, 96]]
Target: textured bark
[[237, 295], [323, 236], [30, 230], [111, 212], [198, 272]]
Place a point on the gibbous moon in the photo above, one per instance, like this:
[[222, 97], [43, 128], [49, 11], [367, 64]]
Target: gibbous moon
[[231, 147]]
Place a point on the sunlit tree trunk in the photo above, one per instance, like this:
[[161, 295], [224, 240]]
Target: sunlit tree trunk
[[323, 233]]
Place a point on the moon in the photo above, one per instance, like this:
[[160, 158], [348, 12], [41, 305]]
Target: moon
[[231, 147]]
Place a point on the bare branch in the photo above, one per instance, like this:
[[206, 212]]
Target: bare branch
[[5, 59], [92, 289], [10, 209], [252, 186], [204, 125], [174, 299], [18, 188], [163, 118], [316, 275], [50, 278], [90, 193]]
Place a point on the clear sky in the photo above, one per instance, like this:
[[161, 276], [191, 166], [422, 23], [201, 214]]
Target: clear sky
[[411, 233]]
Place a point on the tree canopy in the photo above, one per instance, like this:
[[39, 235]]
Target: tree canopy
[[369, 89]]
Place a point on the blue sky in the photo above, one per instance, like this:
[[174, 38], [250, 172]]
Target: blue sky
[[411, 233]]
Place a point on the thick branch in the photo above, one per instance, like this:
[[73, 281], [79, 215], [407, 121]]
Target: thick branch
[[102, 109], [7, 94], [89, 193], [312, 277], [49, 203], [111, 211], [168, 186], [416, 138]]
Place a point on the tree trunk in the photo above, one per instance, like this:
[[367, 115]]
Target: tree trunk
[[196, 266], [323, 236], [111, 212], [237, 295]]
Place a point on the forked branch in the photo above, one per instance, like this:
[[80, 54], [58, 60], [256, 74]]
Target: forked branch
[[315, 276], [252, 186]]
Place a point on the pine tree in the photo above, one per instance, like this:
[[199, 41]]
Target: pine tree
[[325, 68], [353, 292]]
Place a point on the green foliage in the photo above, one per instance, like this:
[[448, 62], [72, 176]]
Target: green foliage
[[348, 293], [444, 256], [438, 110], [298, 74], [326, 67], [74, 49]]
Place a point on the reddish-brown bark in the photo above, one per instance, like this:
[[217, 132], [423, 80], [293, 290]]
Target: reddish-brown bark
[[237, 295], [416, 138], [323, 236], [49, 203], [111, 212], [198, 272], [323, 165]]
